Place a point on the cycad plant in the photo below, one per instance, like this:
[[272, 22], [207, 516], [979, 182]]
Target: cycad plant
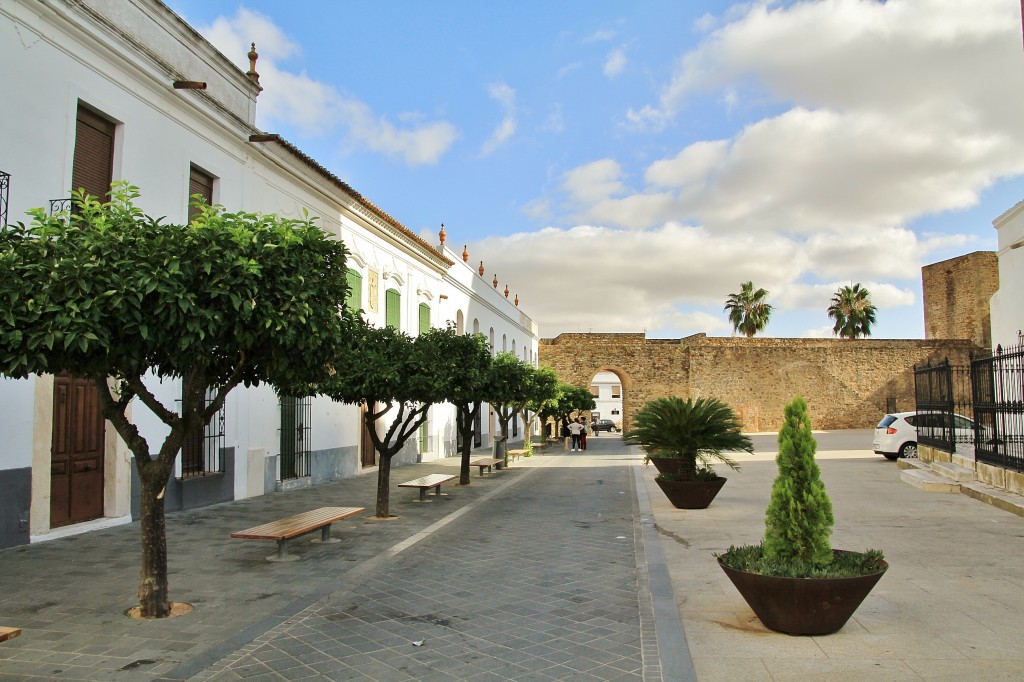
[[694, 431]]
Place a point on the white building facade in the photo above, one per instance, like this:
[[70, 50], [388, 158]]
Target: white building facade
[[1005, 306], [112, 89]]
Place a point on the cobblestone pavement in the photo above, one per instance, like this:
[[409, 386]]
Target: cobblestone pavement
[[537, 572]]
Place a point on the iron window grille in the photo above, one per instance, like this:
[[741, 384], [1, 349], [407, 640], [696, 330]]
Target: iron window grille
[[295, 431], [202, 453]]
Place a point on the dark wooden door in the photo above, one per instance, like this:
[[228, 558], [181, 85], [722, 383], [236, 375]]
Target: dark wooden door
[[76, 456], [369, 454]]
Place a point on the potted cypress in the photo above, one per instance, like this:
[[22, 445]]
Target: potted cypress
[[692, 435], [794, 581]]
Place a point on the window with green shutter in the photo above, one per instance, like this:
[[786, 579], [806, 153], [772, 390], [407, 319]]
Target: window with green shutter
[[354, 301], [392, 309], [424, 317]]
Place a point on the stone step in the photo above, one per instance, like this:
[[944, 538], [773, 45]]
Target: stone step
[[1001, 499], [911, 464], [926, 480], [954, 472]]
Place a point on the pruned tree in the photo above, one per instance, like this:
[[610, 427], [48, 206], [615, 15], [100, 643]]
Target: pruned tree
[[509, 385], [748, 310], [392, 374], [542, 389], [852, 311], [470, 362], [572, 402], [110, 294]]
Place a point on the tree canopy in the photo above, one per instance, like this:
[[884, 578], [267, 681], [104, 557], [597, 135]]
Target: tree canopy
[[852, 311], [748, 310], [111, 294]]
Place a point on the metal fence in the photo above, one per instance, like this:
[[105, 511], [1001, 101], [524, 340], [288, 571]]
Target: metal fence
[[975, 410], [998, 388]]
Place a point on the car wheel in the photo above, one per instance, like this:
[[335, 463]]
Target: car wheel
[[613, 429], [909, 451], [891, 455]]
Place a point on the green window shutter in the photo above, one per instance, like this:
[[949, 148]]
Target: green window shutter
[[424, 317], [392, 309], [354, 301]]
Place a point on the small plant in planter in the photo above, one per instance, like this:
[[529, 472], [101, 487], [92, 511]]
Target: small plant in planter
[[684, 438], [794, 581]]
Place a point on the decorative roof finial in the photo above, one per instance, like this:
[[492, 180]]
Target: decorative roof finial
[[495, 282], [517, 300], [251, 73], [465, 254], [506, 291], [442, 235], [481, 269]]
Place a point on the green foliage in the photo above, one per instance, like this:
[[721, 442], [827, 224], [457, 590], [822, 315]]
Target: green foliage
[[748, 311], [703, 474], [798, 521], [852, 311], [753, 559], [695, 431], [109, 291]]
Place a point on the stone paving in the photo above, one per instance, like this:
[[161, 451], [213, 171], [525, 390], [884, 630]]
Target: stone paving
[[535, 572]]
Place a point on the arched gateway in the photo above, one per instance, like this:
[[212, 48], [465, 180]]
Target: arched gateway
[[848, 384]]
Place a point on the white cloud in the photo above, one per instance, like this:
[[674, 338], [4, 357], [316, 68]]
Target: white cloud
[[505, 96], [554, 123], [315, 108], [601, 36], [615, 64]]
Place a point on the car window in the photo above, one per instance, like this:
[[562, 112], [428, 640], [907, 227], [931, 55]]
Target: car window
[[886, 420], [911, 419], [962, 423]]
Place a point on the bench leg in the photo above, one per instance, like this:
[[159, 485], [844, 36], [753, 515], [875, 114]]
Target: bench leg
[[282, 553], [437, 490], [325, 536], [423, 494]]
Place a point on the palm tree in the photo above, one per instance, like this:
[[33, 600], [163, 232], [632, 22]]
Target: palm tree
[[748, 311], [690, 430], [852, 311]]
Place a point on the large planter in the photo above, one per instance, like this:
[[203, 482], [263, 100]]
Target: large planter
[[803, 606], [691, 494], [666, 465]]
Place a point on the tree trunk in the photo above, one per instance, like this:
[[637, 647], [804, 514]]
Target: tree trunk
[[464, 423], [384, 486], [154, 591]]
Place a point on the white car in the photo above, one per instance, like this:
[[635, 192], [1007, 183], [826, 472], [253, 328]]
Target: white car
[[896, 434]]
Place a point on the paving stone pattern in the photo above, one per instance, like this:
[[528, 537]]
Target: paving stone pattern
[[536, 573], [538, 584]]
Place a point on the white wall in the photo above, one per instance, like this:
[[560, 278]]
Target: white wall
[[1006, 305]]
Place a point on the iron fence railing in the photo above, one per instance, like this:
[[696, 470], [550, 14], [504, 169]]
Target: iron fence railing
[[5, 188], [202, 454], [295, 430], [60, 206], [998, 394]]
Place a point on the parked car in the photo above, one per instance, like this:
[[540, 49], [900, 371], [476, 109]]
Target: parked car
[[604, 425], [896, 434]]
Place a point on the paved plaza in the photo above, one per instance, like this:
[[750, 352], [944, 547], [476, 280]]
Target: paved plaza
[[566, 566]]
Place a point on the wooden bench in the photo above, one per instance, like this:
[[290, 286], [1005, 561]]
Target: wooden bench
[[486, 463], [9, 633], [294, 526], [424, 483], [514, 454]]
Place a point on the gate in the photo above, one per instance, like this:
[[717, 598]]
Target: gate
[[998, 392], [295, 429]]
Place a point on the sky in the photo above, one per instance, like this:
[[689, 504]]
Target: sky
[[625, 166]]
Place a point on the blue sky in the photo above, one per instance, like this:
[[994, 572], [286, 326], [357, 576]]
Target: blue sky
[[623, 167]]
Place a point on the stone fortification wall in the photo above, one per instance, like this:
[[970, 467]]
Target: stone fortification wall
[[956, 295], [848, 384]]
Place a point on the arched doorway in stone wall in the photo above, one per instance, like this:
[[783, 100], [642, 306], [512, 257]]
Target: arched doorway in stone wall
[[608, 388]]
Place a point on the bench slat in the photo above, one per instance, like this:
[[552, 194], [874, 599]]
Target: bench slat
[[485, 462], [297, 525], [428, 481], [9, 633]]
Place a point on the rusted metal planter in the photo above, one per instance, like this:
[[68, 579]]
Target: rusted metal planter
[[667, 465], [691, 494], [803, 606]]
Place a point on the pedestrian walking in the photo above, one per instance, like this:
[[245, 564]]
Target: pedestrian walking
[[583, 434]]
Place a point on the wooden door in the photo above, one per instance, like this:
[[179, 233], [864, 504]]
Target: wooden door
[[76, 455], [369, 454]]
